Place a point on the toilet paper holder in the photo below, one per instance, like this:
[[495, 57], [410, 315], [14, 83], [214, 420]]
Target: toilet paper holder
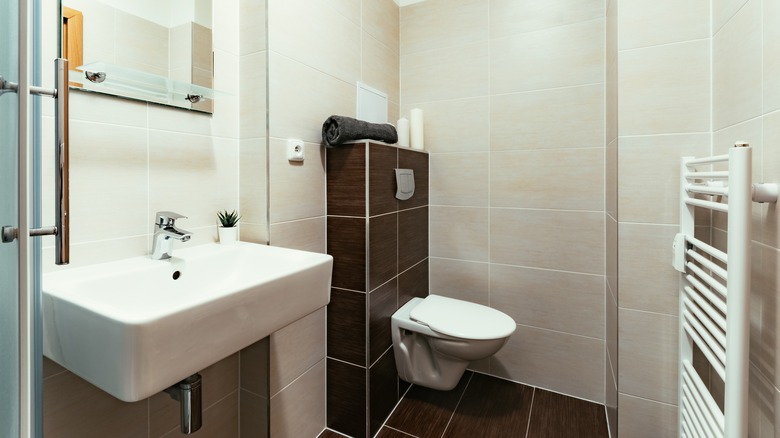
[[404, 179]]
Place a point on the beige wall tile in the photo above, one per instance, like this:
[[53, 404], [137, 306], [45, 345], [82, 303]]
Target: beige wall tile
[[647, 279], [459, 179], [100, 108], [253, 95], [297, 190], [293, 83], [723, 11], [225, 20], [550, 239], [381, 19], [643, 418], [508, 17], [253, 184], [252, 31], [611, 332], [256, 233], [428, 76], [771, 55], [611, 179], [102, 251], [557, 57], [192, 175], [468, 281], [648, 355], [656, 99], [188, 122], [380, 65], [560, 362], [461, 125], [736, 91], [95, 149], [321, 38], [553, 300], [296, 348], [611, 239], [640, 23], [571, 179], [611, 399], [347, 8], [76, 408], [306, 234], [459, 233], [548, 119], [649, 175], [299, 410], [140, 44], [435, 24]]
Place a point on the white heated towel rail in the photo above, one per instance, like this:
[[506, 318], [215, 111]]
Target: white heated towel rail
[[715, 291]]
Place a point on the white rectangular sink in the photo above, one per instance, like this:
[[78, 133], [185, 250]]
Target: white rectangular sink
[[134, 327]]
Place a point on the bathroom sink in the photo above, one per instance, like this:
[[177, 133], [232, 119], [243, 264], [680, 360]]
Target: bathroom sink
[[136, 326]]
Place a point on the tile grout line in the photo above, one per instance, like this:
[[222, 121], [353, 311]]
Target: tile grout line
[[457, 405], [530, 411]]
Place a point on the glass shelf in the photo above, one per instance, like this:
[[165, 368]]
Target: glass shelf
[[134, 84]]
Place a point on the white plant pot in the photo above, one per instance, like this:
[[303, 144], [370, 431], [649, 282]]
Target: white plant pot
[[228, 236]]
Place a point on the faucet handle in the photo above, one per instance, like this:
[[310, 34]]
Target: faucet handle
[[167, 217]]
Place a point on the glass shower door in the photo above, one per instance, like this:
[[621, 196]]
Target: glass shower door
[[10, 394]]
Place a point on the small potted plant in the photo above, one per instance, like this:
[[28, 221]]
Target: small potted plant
[[228, 230]]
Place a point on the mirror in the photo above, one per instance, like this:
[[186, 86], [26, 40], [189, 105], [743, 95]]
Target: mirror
[[157, 51]]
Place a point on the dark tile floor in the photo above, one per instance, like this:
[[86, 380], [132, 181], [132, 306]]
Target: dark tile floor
[[484, 406]]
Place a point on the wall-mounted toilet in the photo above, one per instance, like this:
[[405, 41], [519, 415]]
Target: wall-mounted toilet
[[435, 338]]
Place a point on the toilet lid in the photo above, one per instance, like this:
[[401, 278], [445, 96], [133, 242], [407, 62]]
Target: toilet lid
[[462, 319]]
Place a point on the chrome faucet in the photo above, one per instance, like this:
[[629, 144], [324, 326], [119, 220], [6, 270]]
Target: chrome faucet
[[165, 232]]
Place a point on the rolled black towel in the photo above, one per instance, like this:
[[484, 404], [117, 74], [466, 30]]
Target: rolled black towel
[[340, 129]]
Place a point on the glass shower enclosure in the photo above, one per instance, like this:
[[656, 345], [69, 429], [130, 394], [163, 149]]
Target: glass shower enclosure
[[20, 352]]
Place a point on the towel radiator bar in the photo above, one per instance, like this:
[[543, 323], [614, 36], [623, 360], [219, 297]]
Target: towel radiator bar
[[715, 291]]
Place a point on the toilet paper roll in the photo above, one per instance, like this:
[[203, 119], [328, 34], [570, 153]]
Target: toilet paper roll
[[417, 129], [403, 132]]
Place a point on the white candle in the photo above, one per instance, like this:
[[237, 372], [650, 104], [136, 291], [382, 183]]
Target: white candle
[[417, 129], [403, 132]]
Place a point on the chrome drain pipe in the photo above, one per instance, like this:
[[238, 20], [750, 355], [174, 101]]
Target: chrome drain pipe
[[188, 394]]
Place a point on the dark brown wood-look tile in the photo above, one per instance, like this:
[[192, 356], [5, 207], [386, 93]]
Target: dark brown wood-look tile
[[555, 415], [327, 433], [413, 283], [387, 432], [382, 161], [382, 303], [412, 237], [346, 175], [383, 390], [425, 412], [347, 326], [346, 399], [417, 161], [492, 407], [382, 249], [347, 245]]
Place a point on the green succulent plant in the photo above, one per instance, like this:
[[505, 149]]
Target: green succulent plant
[[228, 220]]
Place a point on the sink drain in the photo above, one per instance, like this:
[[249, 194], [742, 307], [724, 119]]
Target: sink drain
[[176, 275]]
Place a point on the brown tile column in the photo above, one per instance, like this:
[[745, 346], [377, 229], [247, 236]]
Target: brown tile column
[[380, 250]]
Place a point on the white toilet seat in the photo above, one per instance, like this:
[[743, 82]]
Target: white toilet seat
[[462, 319]]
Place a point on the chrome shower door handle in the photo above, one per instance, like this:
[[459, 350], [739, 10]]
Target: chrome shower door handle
[[62, 167], [61, 228]]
